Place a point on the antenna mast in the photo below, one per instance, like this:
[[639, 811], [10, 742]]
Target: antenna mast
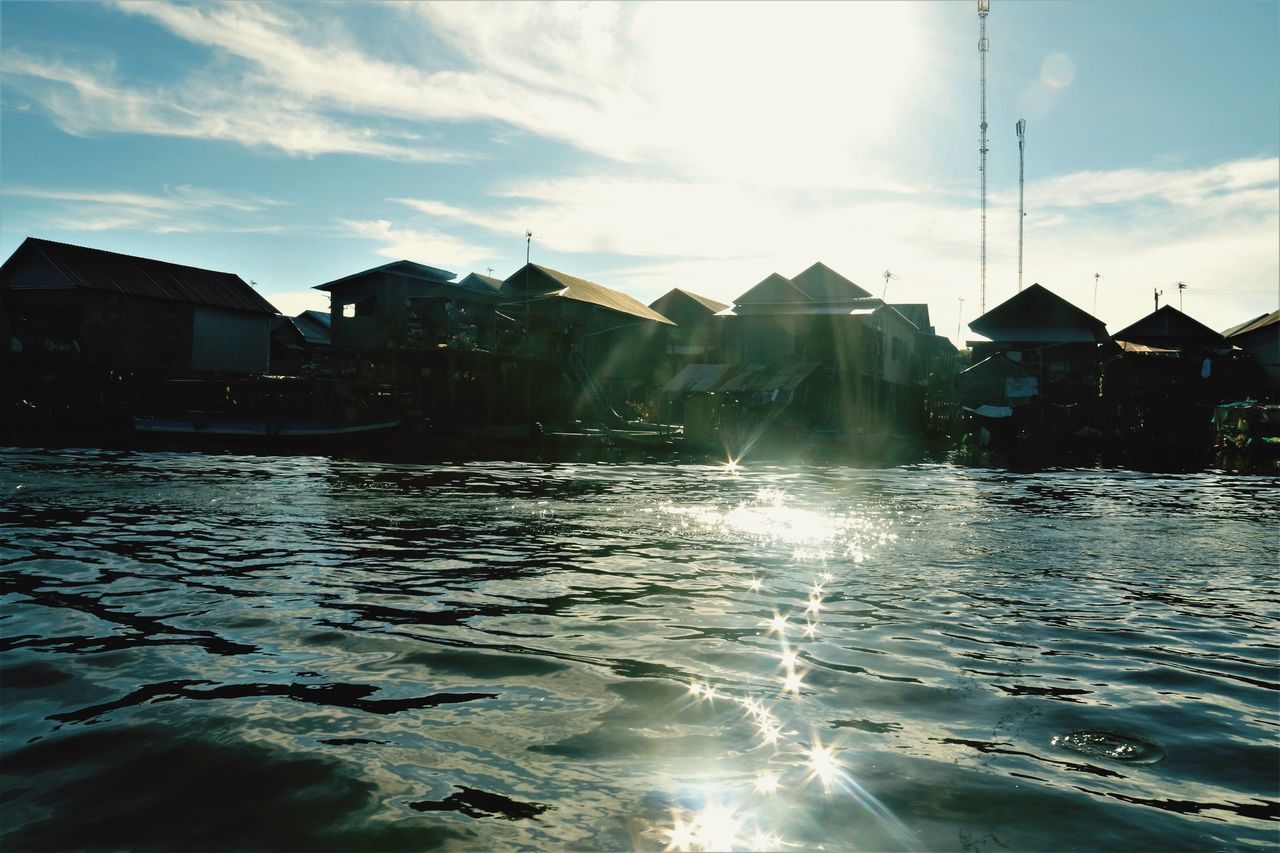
[[1022, 147], [528, 243], [984, 6]]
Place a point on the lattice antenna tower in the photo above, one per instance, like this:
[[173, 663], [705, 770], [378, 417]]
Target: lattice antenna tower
[[984, 6], [1022, 147]]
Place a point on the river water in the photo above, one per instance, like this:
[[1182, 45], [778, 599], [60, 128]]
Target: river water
[[312, 653]]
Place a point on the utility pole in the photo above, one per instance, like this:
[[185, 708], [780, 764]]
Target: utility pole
[[1022, 147], [984, 6]]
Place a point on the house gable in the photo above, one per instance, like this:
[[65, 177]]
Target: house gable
[[1039, 315], [774, 290], [824, 284], [1169, 327]]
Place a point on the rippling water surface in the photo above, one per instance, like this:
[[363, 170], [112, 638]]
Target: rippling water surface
[[313, 653]]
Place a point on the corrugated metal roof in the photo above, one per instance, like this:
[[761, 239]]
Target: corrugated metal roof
[[1253, 325], [98, 269], [565, 286], [739, 378], [408, 269], [1039, 315], [1169, 327], [823, 284]]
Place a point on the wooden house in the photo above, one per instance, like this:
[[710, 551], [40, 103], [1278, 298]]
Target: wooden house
[[1161, 387], [865, 349], [1059, 346], [696, 336], [88, 327], [1260, 338], [604, 337]]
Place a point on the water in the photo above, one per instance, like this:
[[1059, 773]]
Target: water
[[309, 653]]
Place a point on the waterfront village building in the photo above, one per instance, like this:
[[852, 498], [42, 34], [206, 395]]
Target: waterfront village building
[[539, 345], [695, 337], [1163, 384], [86, 330], [1057, 350], [838, 361], [604, 338], [1260, 338]]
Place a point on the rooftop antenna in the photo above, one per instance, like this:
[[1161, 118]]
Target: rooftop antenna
[[984, 6], [1158, 294], [490, 269], [1182, 285], [1096, 276], [959, 315], [528, 243], [1022, 147], [887, 275]]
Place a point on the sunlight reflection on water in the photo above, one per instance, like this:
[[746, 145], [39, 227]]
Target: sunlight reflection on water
[[535, 655]]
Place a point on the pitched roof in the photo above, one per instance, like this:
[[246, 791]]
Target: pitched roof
[[823, 284], [1253, 325], [315, 326], [1168, 327], [917, 313], [773, 290], [486, 280], [1038, 315], [408, 269], [672, 301], [98, 269], [546, 282]]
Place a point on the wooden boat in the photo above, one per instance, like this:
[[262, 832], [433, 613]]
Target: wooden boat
[[272, 408]]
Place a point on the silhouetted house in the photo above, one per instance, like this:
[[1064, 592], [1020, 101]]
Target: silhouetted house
[[694, 338], [1160, 389], [1260, 338], [75, 305], [602, 336], [89, 330], [1060, 346], [316, 328], [301, 344], [868, 376]]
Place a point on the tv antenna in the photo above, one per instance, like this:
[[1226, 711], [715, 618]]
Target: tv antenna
[[984, 6], [1158, 293], [959, 316], [1096, 276], [1182, 285], [1022, 147], [528, 244], [886, 275], [490, 269]]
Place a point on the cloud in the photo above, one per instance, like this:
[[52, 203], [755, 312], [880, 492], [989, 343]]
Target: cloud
[[1214, 227], [181, 209], [426, 246], [87, 101], [772, 95]]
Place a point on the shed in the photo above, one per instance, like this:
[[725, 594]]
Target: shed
[[75, 303]]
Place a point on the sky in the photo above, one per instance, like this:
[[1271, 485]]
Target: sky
[[656, 145]]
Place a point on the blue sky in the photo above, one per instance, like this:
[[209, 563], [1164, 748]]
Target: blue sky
[[659, 145]]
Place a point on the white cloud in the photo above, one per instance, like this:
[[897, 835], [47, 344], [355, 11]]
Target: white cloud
[[87, 101], [435, 248], [181, 209], [1214, 227]]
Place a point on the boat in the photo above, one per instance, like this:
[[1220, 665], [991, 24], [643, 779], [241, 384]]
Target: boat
[[267, 408]]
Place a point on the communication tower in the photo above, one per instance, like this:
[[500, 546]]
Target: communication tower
[[1022, 147], [984, 6]]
